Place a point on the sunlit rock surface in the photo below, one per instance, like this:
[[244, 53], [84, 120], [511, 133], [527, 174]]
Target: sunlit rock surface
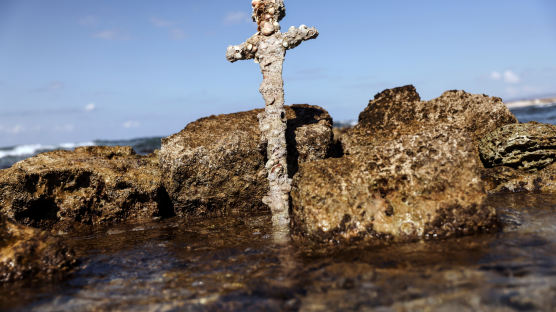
[[529, 146], [411, 171], [425, 184], [216, 164], [397, 110], [91, 185], [26, 252]]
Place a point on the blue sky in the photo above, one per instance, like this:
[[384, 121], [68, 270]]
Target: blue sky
[[74, 71]]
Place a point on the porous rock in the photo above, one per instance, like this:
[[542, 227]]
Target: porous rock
[[26, 252], [410, 171], [418, 185], [502, 179], [528, 146], [88, 186], [400, 110], [216, 165]]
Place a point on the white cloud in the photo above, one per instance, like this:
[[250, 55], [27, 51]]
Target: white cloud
[[236, 17], [56, 85], [507, 76], [511, 77], [89, 20], [158, 22], [495, 75], [111, 34], [131, 124], [65, 128], [90, 107], [16, 129], [177, 34], [50, 87]]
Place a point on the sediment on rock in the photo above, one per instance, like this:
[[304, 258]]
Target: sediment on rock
[[26, 252], [89, 186], [529, 146], [216, 165]]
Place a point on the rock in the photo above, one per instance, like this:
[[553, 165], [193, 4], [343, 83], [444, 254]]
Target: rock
[[412, 186], [215, 165], [520, 158], [91, 185], [26, 252], [504, 179], [410, 171], [401, 110], [529, 146]]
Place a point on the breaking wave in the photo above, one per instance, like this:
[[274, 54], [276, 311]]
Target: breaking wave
[[11, 155], [31, 149]]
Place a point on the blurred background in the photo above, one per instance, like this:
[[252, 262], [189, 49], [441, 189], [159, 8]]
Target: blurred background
[[74, 72]]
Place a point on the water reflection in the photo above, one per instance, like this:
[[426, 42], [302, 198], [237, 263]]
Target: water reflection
[[234, 265]]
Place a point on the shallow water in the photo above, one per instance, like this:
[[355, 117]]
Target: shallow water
[[232, 265]]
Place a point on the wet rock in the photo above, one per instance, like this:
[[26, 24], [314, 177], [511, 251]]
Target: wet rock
[[216, 164], [411, 186], [91, 185], [26, 252], [529, 146], [504, 179], [400, 110]]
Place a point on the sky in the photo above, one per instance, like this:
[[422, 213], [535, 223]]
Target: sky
[[76, 71]]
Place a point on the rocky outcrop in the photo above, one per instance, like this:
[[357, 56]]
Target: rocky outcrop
[[504, 179], [529, 146], [419, 185], [400, 110], [26, 252], [91, 185], [411, 171], [216, 164], [520, 158]]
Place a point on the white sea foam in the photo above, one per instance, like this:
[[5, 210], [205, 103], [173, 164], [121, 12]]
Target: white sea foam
[[534, 102], [31, 149]]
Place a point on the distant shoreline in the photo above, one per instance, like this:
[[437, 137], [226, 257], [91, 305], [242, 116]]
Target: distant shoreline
[[525, 103]]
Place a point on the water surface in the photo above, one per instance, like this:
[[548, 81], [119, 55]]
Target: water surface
[[232, 265]]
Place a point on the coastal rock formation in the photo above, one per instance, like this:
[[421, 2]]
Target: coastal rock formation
[[91, 185], [418, 185], [26, 252], [529, 146], [410, 171], [216, 165], [400, 110], [504, 179]]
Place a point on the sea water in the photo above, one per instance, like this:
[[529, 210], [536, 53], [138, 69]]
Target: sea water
[[231, 264]]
